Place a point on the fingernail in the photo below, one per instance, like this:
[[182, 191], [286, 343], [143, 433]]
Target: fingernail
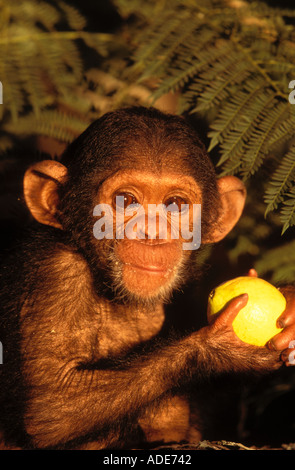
[[243, 296], [270, 345], [281, 324]]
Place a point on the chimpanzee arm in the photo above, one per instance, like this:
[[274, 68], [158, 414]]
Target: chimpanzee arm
[[71, 398]]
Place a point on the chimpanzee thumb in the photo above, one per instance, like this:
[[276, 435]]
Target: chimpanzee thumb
[[231, 310]]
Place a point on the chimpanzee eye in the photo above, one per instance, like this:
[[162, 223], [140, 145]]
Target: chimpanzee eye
[[174, 203], [123, 200]]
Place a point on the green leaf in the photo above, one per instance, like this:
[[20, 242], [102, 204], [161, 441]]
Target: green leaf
[[288, 211], [281, 181]]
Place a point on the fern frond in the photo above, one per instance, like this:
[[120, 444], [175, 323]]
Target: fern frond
[[288, 211], [278, 66], [229, 73], [236, 144], [183, 68], [258, 144], [74, 18], [149, 10], [169, 47], [152, 45], [230, 113], [208, 55], [13, 96], [31, 12], [281, 181], [39, 63], [100, 42], [284, 130], [51, 123]]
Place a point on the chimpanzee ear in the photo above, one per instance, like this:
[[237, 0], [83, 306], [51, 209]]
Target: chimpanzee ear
[[41, 182], [232, 195]]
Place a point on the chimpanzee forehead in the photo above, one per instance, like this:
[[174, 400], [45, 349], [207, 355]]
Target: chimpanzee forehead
[[149, 162]]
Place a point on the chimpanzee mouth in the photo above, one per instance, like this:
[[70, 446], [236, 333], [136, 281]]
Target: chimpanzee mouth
[[149, 268]]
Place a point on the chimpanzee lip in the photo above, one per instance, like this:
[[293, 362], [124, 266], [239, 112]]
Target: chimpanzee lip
[[151, 268]]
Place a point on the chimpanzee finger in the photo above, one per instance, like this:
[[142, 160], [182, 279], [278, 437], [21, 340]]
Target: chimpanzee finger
[[282, 340], [231, 310], [252, 273], [288, 316], [288, 355]]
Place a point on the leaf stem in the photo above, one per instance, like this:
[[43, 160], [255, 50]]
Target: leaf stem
[[68, 35]]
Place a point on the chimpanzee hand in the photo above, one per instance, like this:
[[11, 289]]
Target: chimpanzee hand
[[285, 340], [227, 353]]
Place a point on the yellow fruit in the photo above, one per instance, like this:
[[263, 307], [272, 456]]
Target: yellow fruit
[[256, 322]]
